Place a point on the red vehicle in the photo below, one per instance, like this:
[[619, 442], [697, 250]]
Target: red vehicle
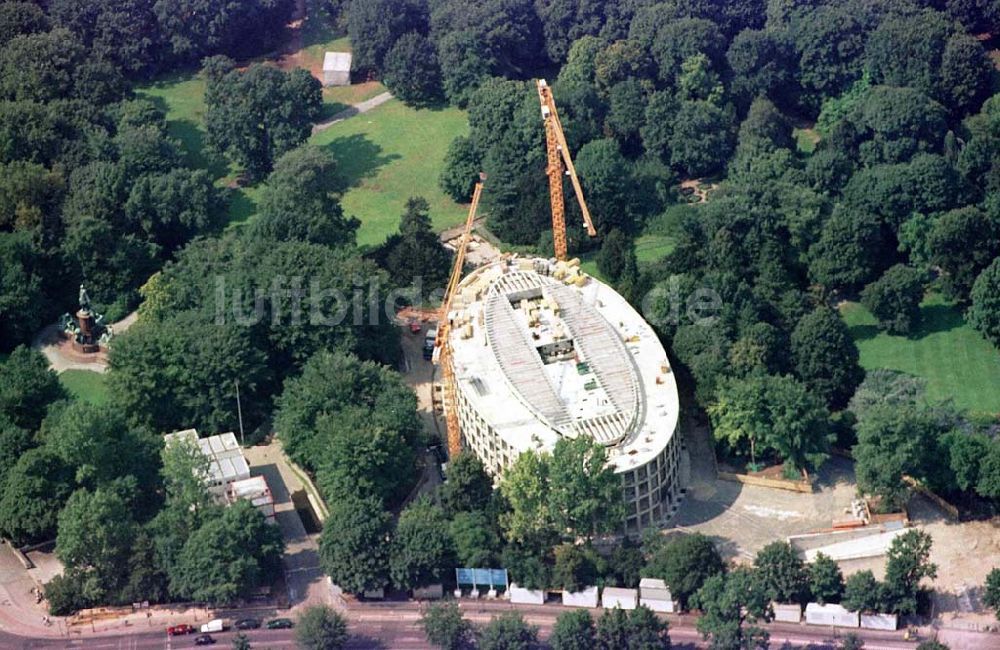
[[183, 628], [414, 326]]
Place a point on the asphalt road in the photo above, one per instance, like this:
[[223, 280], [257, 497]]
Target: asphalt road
[[395, 626]]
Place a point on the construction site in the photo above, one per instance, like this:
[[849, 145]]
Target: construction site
[[542, 351], [533, 350], [530, 350]]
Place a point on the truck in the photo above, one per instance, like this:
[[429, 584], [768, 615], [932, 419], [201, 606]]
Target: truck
[[429, 343], [215, 625]]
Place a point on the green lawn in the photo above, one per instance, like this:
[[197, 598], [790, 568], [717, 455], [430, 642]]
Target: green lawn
[[955, 360], [388, 155], [182, 97], [85, 385], [337, 98], [384, 156], [806, 139]]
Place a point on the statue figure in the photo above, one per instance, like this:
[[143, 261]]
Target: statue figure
[[84, 299]]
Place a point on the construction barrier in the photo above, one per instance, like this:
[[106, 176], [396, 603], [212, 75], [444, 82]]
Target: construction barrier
[[21, 557], [787, 612], [655, 595], [586, 598], [919, 487], [520, 596], [834, 615], [618, 597], [879, 621]]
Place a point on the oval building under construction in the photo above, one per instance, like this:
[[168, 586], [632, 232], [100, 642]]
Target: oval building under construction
[[543, 351]]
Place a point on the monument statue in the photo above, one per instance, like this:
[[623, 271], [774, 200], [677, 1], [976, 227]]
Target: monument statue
[[84, 299], [86, 328]]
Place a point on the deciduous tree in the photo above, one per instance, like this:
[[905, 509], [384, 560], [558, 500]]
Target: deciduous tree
[[35, 489], [256, 115], [894, 299], [354, 546], [469, 488], [727, 602], [984, 314], [228, 556], [826, 583], [991, 591], [446, 627], [421, 553], [321, 628], [574, 630], [27, 388], [508, 631], [767, 412], [411, 71], [685, 564], [908, 563], [299, 203], [825, 358], [781, 573]]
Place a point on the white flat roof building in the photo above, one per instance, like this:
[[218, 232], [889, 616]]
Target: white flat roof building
[[337, 69], [256, 491], [226, 461], [543, 351]]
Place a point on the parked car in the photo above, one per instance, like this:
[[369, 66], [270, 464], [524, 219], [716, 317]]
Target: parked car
[[247, 624], [429, 343], [204, 639], [280, 624], [183, 628], [415, 326], [215, 625]]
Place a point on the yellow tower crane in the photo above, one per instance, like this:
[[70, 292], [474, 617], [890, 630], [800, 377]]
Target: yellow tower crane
[[442, 346], [559, 163]]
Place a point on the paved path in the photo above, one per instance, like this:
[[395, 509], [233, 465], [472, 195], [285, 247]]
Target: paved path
[[351, 111], [48, 343], [307, 585]]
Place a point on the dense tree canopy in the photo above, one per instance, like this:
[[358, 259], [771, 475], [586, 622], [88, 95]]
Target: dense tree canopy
[[256, 115], [896, 190], [421, 551], [685, 564], [354, 547], [298, 201], [228, 556], [321, 416], [766, 412], [27, 388]]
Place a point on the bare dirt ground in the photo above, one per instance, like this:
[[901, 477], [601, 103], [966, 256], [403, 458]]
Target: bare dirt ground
[[964, 553], [742, 519]]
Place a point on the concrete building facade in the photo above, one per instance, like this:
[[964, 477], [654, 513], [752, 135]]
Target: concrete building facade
[[543, 351]]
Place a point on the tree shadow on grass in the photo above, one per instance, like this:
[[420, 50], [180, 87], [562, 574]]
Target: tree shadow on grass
[[196, 152], [241, 207], [938, 318], [192, 139], [330, 109], [863, 332], [357, 158]]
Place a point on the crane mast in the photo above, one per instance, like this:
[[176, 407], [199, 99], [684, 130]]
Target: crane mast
[[442, 346], [559, 163]]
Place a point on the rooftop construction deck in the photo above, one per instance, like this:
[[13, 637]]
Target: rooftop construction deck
[[543, 351]]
